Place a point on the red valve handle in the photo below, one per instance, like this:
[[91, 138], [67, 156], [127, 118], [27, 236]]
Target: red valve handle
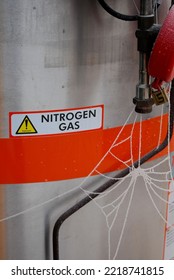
[[161, 62]]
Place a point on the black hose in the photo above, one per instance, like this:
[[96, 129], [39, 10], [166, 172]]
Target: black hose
[[118, 15], [113, 181], [114, 13]]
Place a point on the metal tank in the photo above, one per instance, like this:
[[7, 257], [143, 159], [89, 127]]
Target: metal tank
[[68, 77]]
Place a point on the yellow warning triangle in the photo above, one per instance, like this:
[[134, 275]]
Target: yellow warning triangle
[[26, 127]]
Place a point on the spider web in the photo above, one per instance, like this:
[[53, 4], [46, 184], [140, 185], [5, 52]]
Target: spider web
[[111, 201], [155, 181]]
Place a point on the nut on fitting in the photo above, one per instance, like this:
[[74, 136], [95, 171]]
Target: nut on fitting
[[143, 106]]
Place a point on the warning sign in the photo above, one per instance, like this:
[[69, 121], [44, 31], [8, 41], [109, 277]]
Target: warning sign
[[56, 122], [26, 127]]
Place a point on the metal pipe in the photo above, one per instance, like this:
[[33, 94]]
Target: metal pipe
[[143, 100], [146, 7], [143, 88]]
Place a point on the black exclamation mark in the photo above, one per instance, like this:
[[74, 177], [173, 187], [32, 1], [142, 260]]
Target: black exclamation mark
[[26, 123]]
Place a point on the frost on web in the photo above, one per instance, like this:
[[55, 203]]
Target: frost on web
[[130, 145]]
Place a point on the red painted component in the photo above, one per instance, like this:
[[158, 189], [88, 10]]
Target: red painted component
[[161, 62]]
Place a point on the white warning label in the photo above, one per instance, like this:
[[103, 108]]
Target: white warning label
[[56, 121]]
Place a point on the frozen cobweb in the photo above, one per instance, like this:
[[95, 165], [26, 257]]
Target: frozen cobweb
[[156, 178]]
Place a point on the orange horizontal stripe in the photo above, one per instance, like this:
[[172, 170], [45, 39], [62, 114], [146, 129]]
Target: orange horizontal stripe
[[67, 156]]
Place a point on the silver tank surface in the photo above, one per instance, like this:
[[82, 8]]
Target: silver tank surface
[[61, 61]]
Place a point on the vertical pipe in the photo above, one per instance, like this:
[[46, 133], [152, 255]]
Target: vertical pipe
[[146, 7], [143, 89]]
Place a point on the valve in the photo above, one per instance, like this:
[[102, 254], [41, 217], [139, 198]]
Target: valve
[[143, 100]]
